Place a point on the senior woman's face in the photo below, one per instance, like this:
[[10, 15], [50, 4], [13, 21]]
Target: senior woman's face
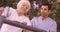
[[23, 8]]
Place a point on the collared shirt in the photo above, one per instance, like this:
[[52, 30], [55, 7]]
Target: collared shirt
[[15, 17], [47, 24]]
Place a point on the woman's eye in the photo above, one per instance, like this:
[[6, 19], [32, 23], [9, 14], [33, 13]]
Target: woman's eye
[[23, 5], [26, 7]]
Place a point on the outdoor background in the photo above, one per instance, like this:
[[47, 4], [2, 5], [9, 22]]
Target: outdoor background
[[34, 11]]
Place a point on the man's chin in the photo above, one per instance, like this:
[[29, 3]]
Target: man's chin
[[43, 15]]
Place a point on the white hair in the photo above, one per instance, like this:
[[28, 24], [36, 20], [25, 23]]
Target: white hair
[[22, 1]]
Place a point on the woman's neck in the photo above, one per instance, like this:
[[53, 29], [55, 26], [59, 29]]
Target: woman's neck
[[20, 14]]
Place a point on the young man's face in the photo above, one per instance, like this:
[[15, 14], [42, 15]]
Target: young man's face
[[44, 10], [23, 8]]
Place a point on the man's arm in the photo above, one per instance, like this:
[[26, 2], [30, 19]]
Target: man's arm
[[53, 27]]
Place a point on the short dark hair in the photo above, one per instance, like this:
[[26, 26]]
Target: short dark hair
[[46, 3]]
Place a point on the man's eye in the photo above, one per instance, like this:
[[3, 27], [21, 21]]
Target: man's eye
[[45, 9]]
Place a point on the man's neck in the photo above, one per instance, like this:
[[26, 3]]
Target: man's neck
[[44, 17]]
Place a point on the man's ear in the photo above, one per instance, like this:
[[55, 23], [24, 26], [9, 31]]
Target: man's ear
[[49, 11]]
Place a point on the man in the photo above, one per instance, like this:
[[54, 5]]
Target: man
[[18, 15], [43, 21]]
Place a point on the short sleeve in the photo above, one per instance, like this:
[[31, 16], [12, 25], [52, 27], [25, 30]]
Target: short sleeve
[[53, 27], [8, 11], [5, 11]]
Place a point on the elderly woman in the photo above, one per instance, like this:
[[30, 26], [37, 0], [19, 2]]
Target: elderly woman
[[18, 15]]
